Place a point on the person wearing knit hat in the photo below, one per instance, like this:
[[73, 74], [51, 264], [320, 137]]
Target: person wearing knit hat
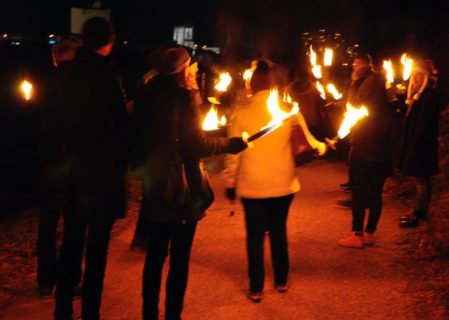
[[419, 150], [168, 127]]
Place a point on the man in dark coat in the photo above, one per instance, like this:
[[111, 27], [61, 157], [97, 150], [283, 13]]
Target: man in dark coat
[[168, 119], [370, 152], [87, 135], [419, 154]]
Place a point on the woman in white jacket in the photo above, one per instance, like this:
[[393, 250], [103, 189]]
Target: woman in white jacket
[[264, 177]]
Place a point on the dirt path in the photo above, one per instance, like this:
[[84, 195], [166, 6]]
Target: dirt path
[[327, 282]]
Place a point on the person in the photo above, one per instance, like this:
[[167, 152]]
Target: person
[[419, 150], [265, 179], [49, 209], [88, 130], [168, 96], [370, 151]]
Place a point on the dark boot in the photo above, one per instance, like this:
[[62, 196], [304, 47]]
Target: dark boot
[[412, 220]]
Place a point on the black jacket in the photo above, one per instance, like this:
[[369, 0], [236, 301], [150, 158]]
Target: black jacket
[[419, 149], [86, 136], [154, 118]]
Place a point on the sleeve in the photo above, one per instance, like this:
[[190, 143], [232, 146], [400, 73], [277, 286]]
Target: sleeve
[[314, 143], [232, 161]]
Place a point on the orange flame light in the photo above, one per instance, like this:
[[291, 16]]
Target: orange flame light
[[352, 115], [328, 56], [320, 89], [224, 82], [388, 67], [316, 69], [247, 74], [333, 90], [27, 89], [279, 115], [407, 63], [211, 121]]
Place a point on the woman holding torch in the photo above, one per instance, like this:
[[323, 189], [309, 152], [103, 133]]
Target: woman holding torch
[[264, 177]]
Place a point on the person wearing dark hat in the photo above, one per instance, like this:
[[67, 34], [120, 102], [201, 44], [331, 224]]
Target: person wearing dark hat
[[168, 118], [264, 178], [87, 135], [419, 149]]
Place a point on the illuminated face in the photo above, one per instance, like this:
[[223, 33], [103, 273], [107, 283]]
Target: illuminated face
[[358, 65]]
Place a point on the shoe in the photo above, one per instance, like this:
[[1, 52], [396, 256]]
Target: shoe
[[45, 292], [345, 185], [254, 296], [281, 288], [410, 221], [345, 203], [368, 239], [422, 215], [352, 242]]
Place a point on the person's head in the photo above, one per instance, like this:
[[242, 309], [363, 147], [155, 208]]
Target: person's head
[[173, 61], [98, 35], [422, 72], [64, 50], [262, 77], [361, 62]]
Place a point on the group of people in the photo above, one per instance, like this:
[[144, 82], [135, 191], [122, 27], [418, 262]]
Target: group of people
[[89, 140]]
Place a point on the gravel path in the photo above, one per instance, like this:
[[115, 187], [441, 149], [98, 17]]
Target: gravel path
[[327, 282]]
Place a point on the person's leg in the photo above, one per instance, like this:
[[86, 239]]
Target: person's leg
[[68, 265], [256, 225], [359, 186], [158, 240], [180, 246], [277, 218], [140, 238], [378, 174], [423, 196], [46, 249], [98, 234]]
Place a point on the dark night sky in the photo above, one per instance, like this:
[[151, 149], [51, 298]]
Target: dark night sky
[[266, 24]]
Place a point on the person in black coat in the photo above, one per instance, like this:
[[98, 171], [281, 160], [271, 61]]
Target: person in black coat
[[87, 143], [167, 118], [419, 153], [371, 152]]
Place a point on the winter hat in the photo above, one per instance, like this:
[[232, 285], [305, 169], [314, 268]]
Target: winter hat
[[97, 32], [173, 60], [425, 66]]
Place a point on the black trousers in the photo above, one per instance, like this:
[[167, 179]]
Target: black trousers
[[367, 181], [94, 233], [262, 215], [162, 237]]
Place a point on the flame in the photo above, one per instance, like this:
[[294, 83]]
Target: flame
[[328, 55], [333, 90], [247, 74], [407, 62], [279, 115], [316, 70], [27, 89], [224, 82], [320, 89], [388, 67], [312, 57], [352, 115], [211, 121]]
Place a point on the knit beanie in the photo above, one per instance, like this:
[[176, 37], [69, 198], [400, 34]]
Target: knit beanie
[[173, 60]]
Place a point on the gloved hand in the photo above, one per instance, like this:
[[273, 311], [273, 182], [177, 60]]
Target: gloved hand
[[230, 194], [236, 144]]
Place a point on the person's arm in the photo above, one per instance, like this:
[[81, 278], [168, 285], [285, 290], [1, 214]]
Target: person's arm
[[314, 143], [232, 161]]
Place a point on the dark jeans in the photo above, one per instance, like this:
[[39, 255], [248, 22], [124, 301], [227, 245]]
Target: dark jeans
[[263, 215], [46, 249], [95, 232], [423, 193], [179, 237], [367, 181]]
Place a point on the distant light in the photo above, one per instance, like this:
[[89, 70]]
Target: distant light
[[204, 47], [5, 35], [15, 43], [52, 42], [356, 45], [125, 42], [51, 35], [345, 64]]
